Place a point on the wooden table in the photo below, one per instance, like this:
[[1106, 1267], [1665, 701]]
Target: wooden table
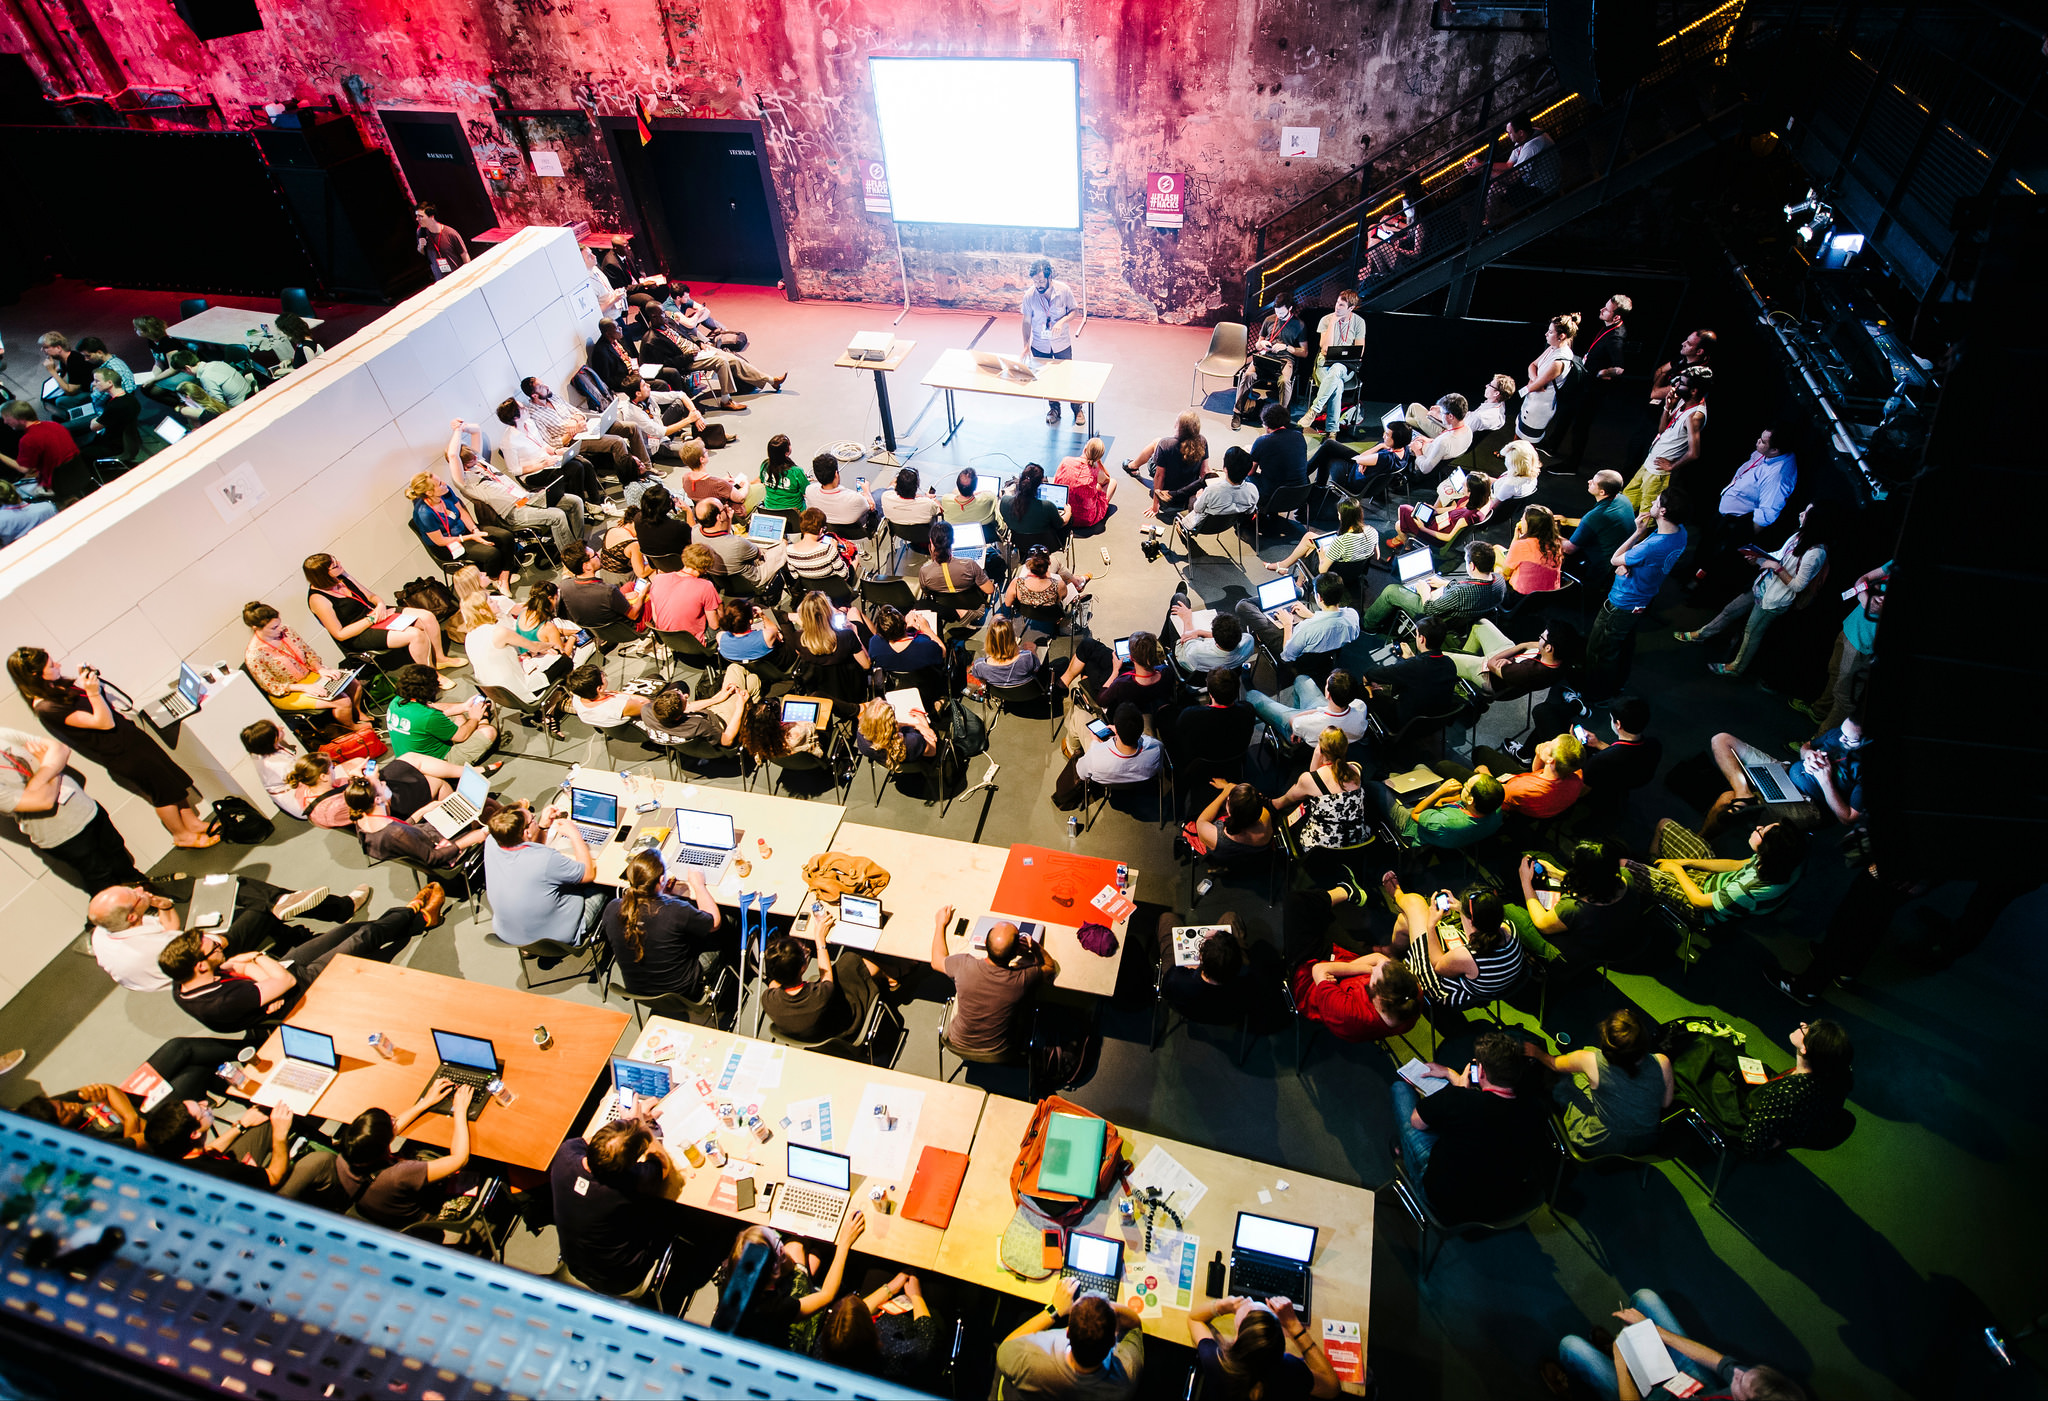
[[355, 997], [886, 455], [1069, 381], [226, 325], [794, 829], [948, 1119], [1342, 1266], [595, 240]]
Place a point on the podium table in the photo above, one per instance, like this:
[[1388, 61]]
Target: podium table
[[886, 457]]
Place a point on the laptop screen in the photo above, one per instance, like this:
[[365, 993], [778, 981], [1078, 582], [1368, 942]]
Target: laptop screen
[[1270, 1237], [472, 1052], [706, 829], [169, 429], [969, 537], [1413, 565], [190, 683], [1057, 495], [474, 786], [858, 909], [799, 712], [639, 1077], [985, 485], [1278, 592], [1096, 1255], [588, 806], [766, 528], [314, 1046], [823, 1169]]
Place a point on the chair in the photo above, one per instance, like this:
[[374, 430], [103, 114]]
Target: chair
[[933, 767], [595, 948], [1833, 1135], [1232, 526], [1224, 862], [1017, 1055], [909, 540], [651, 1286], [895, 592], [1097, 796], [665, 564], [1284, 502], [702, 1011], [1426, 1220], [466, 1219], [828, 764], [295, 301], [858, 1044], [1417, 728], [1317, 666], [529, 713], [1037, 687], [1163, 1014], [1225, 357], [1568, 1153], [191, 307], [686, 649]]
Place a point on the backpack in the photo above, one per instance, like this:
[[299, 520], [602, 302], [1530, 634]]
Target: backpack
[[968, 732], [237, 822], [735, 341], [1059, 1206], [1571, 390], [431, 594], [586, 383]]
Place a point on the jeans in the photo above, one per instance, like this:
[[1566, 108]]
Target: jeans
[[563, 519], [1306, 695], [1394, 598], [1594, 1369], [376, 939], [1330, 386], [1741, 606], [1416, 1144]]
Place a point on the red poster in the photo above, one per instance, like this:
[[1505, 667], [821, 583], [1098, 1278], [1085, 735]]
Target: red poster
[[1164, 196], [1344, 1346], [874, 187]]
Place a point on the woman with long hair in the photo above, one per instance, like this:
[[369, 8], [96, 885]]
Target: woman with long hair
[[1617, 1090], [1475, 508], [536, 622], [659, 530], [1334, 790], [1043, 584], [943, 576], [784, 1307], [1793, 1109], [895, 1346], [783, 481], [1006, 659], [394, 1191], [1268, 1353], [766, 735], [1782, 579], [1178, 464], [1535, 562], [1238, 819], [829, 655], [618, 550], [890, 743], [1030, 517], [662, 930], [355, 615], [1546, 372], [196, 405], [1089, 485], [77, 713]]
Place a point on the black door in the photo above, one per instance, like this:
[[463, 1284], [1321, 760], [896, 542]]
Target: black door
[[441, 168], [714, 205]]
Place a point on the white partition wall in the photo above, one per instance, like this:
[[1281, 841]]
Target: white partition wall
[[155, 569]]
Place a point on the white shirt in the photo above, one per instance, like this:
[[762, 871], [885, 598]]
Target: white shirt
[[129, 955], [1544, 175], [1309, 724], [272, 768], [1488, 416], [1452, 442], [601, 714], [495, 661], [1509, 488], [840, 505], [524, 450]]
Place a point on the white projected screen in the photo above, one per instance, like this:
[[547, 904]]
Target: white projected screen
[[981, 140]]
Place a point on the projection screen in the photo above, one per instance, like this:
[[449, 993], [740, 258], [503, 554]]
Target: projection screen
[[981, 140]]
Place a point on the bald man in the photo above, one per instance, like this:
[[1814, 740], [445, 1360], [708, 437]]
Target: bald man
[[987, 992]]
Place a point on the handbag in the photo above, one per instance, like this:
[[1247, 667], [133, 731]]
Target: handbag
[[357, 744]]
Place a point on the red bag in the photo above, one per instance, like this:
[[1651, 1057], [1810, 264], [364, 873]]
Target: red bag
[[359, 744], [1060, 1206]]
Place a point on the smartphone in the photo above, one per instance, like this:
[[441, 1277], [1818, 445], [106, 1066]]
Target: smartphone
[[1054, 1256], [839, 622], [1536, 869], [1443, 904], [1582, 732], [620, 835]]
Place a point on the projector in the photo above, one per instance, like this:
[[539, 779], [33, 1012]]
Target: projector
[[871, 345]]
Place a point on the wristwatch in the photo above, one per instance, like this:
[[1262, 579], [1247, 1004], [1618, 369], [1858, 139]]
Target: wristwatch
[[1052, 1311]]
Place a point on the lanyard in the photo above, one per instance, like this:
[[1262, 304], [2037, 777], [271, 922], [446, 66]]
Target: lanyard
[[17, 765], [305, 663]]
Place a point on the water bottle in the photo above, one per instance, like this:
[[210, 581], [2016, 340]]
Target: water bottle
[[380, 1042], [1074, 826], [266, 332]]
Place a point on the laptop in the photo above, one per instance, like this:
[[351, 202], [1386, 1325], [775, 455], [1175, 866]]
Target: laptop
[[1278, 594], [594, 814], [861, 912], [970, 541], [815, 1194], [310, 1065], [1343, 354], [1415, 567], [977, 938], [1773, 782], [633, 1080], [454, 813], [169, 429], [1054, 493], [346, 678], [213, 901], [707, 841], [987, 484], [1008, 366], [187, 698], [1269, 1258], [764, 529], [1093, 1264], [467, 1060], [799, 712]]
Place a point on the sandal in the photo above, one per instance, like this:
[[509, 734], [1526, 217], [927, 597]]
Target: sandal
[[209, 839], [1686, 636]]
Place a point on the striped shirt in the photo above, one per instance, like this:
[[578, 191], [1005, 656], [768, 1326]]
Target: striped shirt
[[1498, 972]]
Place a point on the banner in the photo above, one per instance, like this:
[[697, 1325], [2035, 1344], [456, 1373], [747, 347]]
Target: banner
[[1164, 196], [875, 188]]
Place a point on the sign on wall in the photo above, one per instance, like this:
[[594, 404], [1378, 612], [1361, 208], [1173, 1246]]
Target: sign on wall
[[1165, 195], [1302, 141], [874, 187], [237, 492], [547, 163]]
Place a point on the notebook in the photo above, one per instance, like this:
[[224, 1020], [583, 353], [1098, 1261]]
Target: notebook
[[935, 1186], [904, 702], [1072, 1160], [765, 529]]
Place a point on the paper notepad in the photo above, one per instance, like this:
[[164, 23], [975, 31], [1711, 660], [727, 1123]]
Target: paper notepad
[[1418, 1074], [650, 369], [1649, 1361], [904, 702], [1187, 942]]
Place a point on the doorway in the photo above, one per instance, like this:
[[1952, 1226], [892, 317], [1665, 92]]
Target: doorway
[[700, 192], [434, 153]]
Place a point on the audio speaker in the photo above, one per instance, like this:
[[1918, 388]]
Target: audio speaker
[[216, 19], [1602, 47], [357, 224]]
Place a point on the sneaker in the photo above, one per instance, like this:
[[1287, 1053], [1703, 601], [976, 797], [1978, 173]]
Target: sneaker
[[1686, 636], [1515, 747], [1236, 422], [1079, 417], [1784, 984], [298, 902], [1052, 415], [1810, 711], [12, 1059]]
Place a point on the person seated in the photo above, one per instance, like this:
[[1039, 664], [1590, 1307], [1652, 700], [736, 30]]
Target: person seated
[[843, 507], [673, 716], [565, 428], [1479, 1148], [1425, 683], [1521, 471], [1598, 907], [288, 670], [1214, 728], [1333, 625], [701, 483], [1270, 1352], [131, 925], [593, 602], [156, 340], [1224, 644], [1828, 779], [188, 1066], [275, 753], [234, 992], [1075, 1349], [749, 635], [418, 722], [685, 599], [69, 368], [1599, 1371], [1722, 890], [1367, 998], [1535, 562], [892, 743], [1471, 506], [1279, 455], [1456, 813], [969, 504], [904, 642], [1615, 1092], [1029, 517], [499, 656], [1794, 1109], [1129, 755], [836, 1003], [989, 993], [194, 405], [292, 345], [250, 1150], [1504, 670], [1004, 660], [783, 482], [662, 930], [45, 451], [828, 659], [1332, 795], [1462, 951], [1613, 769], [538, 890], [117, 420], [1354, 543], [1283, 337], [1783, 578], [1146, 683], [906, 506], [943, 577], [385, 837], [1458, 602], [1356, 472], [812, 557], [536, 466], [1044, 586], [1550, 784], [1179, 464], [1216, 990], [1452, 440], [860, 1334], [541, 624], [394, 1191], [1492, 414], [614, 1199], [319, 786], [1334, 704], [1231, 494], [789, 1297], [451, 532], [223, 381], [1238, 819], [767, 737], [597, 705], [360, 618]]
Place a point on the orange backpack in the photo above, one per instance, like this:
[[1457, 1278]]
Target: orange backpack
[[1060, 1206]]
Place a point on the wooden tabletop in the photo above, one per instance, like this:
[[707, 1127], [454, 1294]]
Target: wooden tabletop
[[795, 830], [897, 356], [1070, 381], [1341, 1271], [926, 874], [947, 1118], [356, 996]]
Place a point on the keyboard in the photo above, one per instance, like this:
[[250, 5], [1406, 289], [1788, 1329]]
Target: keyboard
[[1766, 786], [177, 707], [595, 836], [1258, 1280], [299, 1075], [1084, 1280], [479, 1080], [809, 1201], [701, 856], [456, 809]]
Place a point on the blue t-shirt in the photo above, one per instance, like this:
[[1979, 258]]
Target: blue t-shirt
[[1282, 458], [424, 518], [1859, 627], [748, 646], [534, 892], [1647, 563], [1848, 766]]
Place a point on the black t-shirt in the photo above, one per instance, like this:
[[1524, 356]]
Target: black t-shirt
[[665, 536], [1036, 516], [593, 603], [770, 1313], [1216, 733], [1424, 685], [1604, 354], [1291, 1381], [609, 1239], [1295, 332], [1282, 459], [228, 1005], [671, 937], [1595, 933], [1174, 473], [1621, 766], [78, 370], [229, 1168], [817, 1011], [1489, 1156]]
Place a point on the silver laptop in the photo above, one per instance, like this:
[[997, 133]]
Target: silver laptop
[[634, 1080], [169, 429], [1054, 493], [1094, 1264], [815, 1194], [764, 529], [594, 814], [1414, 567], [970, 541], [1008, 366], [310, 1065], [1773, 782], [454, 813], [186, 699], [1269, 1258], [706, 840], [987, 485], [1278, 594], [342, 681]]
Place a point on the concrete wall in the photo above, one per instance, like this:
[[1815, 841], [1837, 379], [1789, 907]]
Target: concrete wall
[[1198, 86], [147, 572]]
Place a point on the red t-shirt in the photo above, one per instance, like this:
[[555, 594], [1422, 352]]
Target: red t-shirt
[[44, 448], [1344, 1006], [1534, 795], [681, 603]]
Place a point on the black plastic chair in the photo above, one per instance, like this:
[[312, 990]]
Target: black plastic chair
[[1284, 502], [295, 301], [894, 592], [1033, 690], [191, 307]]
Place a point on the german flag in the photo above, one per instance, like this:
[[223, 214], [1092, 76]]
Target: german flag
[[643, 119]]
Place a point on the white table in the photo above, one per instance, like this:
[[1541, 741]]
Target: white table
[[1068, 381], [227, 325]]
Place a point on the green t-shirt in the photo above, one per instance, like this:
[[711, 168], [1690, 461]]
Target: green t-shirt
[[787, 497], [1450, 825], [1742, 891], [416, 728]]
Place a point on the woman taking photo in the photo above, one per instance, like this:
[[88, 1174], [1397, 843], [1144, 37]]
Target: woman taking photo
[[77, 714], [450, 533], [1546, 372], [353, 614], [290, 672], [766, 735], [783, 481]]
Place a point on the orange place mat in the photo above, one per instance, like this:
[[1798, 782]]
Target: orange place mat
[[1027, 891]]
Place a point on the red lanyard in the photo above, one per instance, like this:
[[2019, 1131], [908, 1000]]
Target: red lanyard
[[305, 663]]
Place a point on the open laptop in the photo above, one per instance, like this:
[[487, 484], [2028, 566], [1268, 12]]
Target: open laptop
[[1773, 782], [345, 678], [1269, 1258], [1278, 595], [186, 699], [706, 840], [454, 813], [1053, 493], [1416, 567], [467, 1060], [1094, 1264], [169, 429], [633, 1080], [1343, 354], [594, 814], [1008, 366], [861, 912], [310, 1065], [815, 1194], [970, 541], [764, 529]]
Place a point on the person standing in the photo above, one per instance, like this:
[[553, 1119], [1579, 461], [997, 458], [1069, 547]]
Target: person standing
[[59, 820], [443, 247], [1678, 441], [1601, 366], [1639, 569], [1052, 317]]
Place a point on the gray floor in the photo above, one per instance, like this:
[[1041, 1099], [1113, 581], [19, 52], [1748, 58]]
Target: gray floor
[[1859, 1269]]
